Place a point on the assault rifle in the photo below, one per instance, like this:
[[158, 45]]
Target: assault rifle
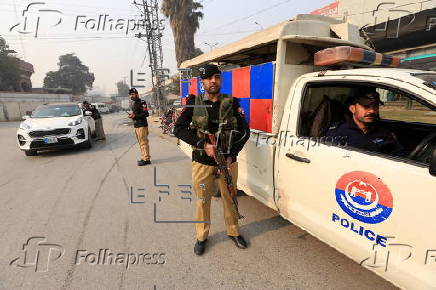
[[222, 166]]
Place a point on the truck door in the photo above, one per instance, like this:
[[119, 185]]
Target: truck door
[[360, 202]]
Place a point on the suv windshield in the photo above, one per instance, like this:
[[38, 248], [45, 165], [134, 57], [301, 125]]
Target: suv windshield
[[53, 111]]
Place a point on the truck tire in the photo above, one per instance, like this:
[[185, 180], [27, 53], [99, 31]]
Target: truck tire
[[31, 152]]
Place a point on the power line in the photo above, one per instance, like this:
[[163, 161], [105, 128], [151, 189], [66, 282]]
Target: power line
[[78, 13], [397, 6], [254, 14], [75, 5], [61, 38], [228, 33], [60, 35]]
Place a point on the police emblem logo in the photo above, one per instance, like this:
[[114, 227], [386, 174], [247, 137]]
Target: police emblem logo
[[364, 196]]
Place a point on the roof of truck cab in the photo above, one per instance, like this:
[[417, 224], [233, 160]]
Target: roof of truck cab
[[383, 72], [404, 75], [269, 36]]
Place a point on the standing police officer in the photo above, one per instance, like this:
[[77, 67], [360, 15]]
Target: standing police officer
[[99, 131], [139, 116], [210, 114]]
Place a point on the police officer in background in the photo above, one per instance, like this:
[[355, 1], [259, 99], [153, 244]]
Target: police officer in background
[[99, 131], [139, 116], [363, 129], [207, 113]]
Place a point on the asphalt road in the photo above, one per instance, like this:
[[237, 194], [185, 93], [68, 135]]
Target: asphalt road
[[92, 219]]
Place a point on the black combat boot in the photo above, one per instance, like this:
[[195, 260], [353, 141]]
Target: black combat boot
[[239, 242], [199, 247]]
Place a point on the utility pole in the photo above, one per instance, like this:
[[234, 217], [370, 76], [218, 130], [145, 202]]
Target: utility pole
[[153, 33]]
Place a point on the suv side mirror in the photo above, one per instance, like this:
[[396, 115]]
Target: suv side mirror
[[88, 113], [432, 167]]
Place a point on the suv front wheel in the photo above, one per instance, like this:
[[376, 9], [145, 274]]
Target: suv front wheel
[[88, 143], [30, 152]]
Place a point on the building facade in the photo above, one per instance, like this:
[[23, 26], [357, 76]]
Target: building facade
[[26, 71], [403, 28]]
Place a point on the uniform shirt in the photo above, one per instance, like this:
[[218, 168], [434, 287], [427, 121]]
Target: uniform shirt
[[183, 131], [377, 139], [139, 108], [95, 113]]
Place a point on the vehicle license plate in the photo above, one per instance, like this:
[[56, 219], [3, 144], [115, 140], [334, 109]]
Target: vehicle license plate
[[50, 140]]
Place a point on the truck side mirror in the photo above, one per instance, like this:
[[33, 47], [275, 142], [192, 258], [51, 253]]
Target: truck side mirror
[[432, 167]]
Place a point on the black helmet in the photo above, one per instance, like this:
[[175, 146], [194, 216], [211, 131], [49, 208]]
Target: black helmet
[[133, 91]]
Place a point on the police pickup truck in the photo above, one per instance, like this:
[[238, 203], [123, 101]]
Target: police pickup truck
[[294, 81]]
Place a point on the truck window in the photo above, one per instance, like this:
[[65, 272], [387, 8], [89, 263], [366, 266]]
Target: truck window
[[406, 125], [398, 107]]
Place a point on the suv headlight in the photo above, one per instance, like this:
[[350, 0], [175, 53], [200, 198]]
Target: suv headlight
[[76, 122], [24, 126]]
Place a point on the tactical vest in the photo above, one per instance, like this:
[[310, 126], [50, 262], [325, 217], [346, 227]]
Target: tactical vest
[[226, 122]]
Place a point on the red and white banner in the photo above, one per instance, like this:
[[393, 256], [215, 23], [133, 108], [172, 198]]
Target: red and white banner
[[329, 10]]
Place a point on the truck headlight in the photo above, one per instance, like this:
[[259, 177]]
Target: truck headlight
[[76, 122], [24, 126]]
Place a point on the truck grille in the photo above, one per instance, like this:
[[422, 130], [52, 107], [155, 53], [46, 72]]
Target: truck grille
[[55, 132]]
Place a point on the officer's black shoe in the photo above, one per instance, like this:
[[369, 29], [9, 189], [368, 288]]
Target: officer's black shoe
[[147, 162], [199, 247], [239, 242], [141, 162]]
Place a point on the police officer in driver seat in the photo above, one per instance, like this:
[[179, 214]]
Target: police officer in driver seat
[[362, 129]]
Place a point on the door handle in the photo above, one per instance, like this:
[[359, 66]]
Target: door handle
[[297, 158]]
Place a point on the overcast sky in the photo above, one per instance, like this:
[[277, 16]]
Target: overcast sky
[[111, 55]]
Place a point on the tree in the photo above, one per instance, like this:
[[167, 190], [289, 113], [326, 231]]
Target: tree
[[9, 69], [197, 52], [174, 86], [184, 20], [72, 74], [123, 89]]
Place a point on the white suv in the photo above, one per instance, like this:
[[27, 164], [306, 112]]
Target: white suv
[[55, 126]]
